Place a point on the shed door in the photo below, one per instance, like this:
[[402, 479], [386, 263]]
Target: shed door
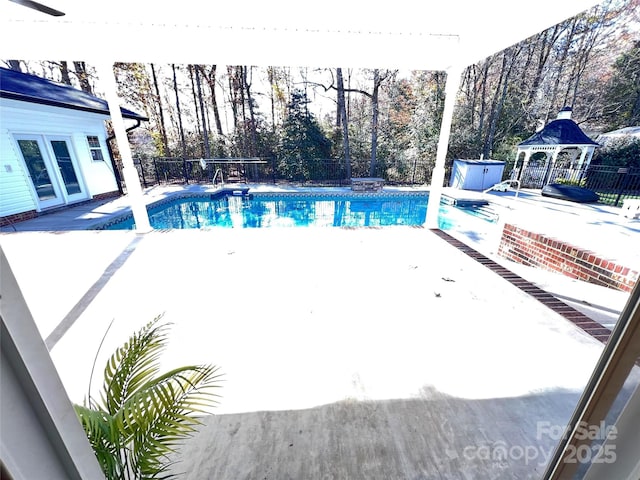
[[70, 177], [41, 172], [53, 169]]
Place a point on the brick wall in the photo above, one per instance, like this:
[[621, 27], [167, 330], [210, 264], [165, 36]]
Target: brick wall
[[534, 249], [106, 195], [17, 217]]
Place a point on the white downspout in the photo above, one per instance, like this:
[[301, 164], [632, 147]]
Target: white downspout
[[131, 179], [437, 178]]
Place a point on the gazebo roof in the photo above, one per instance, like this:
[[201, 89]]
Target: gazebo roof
[[562, 131]]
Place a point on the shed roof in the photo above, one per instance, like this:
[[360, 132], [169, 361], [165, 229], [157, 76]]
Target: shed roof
[[33, 89], [562, 131]]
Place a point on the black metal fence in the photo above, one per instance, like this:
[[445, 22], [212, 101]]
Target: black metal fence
[[321, 172], [612, 184]]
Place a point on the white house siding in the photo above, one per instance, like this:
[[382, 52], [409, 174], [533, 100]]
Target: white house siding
[[22, 118], [15, 193]]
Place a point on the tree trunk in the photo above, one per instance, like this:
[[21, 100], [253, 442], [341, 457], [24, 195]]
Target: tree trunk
[[196, 105], [14, 65], [175, 88], [211, 80], [343, 122], [546, 44], [235, 98], [64, 72], [483, 101], [205, 129], [83, 76], [508, 60], [253, 133], [163, 128], [374, 121], [243, 109], [561, 64]]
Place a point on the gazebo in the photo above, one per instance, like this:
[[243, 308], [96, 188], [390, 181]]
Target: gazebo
[[561, 150]]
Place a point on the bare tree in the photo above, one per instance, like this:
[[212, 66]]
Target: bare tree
[[158, 99], [64, 73], [210, 76], [14, 65], [252, 124], [342, 121], [205, 127], [83, 76], [197, 107], [509, 57], [181, 129]]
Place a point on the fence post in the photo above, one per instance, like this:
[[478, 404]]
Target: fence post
[[623, 184], [184, 171], [155, 167], [581, 176], [144, 180], [273, 169]]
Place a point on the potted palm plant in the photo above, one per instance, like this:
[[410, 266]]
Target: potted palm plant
[[142, 415]]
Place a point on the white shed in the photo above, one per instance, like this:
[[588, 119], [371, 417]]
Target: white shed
[[476, 174], [53, 146]]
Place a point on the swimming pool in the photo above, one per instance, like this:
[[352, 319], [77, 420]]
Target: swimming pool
[[241, 209]]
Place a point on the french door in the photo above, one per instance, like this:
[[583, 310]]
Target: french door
[[53, 169]]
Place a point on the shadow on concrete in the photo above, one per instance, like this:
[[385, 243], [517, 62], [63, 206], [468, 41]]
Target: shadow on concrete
[[434, 436]]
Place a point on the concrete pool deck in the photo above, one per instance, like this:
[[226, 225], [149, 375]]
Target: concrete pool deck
[[344, 351], [347, 353]]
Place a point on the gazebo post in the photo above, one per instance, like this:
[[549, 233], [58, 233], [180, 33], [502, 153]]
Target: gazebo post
[[525, 161], [550, 165]]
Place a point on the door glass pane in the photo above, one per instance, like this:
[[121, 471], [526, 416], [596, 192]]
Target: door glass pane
[[67, 171], [37, 169]]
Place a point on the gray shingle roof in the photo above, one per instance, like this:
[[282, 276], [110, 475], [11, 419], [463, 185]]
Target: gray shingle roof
[[30, 88]]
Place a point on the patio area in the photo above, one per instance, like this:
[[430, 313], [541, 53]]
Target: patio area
[[347, 353]]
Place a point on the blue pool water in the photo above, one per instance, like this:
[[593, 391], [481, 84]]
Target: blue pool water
[[276, 210]]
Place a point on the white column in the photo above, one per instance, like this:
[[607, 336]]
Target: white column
[[525, 161], [437, 178], [583, 156], [134, 189]]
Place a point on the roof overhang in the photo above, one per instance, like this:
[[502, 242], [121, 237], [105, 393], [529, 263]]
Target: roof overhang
[[126, 113], [356, 34]]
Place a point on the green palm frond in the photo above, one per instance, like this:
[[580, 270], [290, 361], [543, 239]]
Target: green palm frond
[[172, 404], [133, 364], [144, 416], [104, 438]]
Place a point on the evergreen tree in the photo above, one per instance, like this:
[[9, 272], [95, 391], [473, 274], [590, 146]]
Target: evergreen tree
[[302, 139]]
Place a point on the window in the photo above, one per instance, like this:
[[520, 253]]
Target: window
[[95, 148]]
